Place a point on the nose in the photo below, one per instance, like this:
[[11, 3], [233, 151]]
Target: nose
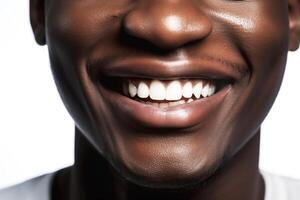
[[167, 24]]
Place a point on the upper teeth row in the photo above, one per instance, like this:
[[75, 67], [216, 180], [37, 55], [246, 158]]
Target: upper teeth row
[[174, 90]]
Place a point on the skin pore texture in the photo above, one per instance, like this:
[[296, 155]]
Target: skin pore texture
[[127, 149]]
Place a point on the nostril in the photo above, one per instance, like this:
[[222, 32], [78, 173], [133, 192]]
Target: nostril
[[141, 43]]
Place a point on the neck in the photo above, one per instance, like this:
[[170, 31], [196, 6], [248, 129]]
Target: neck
[[91, 178]]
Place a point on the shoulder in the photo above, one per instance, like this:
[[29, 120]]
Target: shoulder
[[281, 187], [34, 189]]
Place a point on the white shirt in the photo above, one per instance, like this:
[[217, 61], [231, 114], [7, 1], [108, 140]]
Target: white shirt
[[280, 187], [35, 189], [277, 188]]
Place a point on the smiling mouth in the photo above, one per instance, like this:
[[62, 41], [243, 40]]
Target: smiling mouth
[[164, 94]]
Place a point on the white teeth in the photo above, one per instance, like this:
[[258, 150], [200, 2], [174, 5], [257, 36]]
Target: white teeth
[[181, 102], [132, 90], [143, 90], [205, 90], [174, 91], [190, 100], [170, 104], [197, 89], [212, 90], [187, 90], [157, 90], [175, 103]]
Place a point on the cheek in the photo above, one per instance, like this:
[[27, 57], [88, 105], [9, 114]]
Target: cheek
[[72, 31], [258, 29], [255, 26], [266, 40], [79, 25], [260, 33], [265, 46]]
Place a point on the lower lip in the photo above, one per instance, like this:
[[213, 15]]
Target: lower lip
[[181, 116]]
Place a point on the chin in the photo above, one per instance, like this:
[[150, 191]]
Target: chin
[[171, 172], [174, 178]]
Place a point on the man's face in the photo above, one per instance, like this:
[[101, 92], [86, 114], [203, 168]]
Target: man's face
[[98, 48]]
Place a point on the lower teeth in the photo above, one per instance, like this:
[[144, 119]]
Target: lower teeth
[[167, 104]]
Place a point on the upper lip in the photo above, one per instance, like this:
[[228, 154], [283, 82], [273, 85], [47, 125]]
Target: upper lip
[[150, 68]]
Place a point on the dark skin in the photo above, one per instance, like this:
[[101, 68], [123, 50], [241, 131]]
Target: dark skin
[[202, 151]]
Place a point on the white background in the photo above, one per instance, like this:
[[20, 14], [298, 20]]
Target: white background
[[36, 132]]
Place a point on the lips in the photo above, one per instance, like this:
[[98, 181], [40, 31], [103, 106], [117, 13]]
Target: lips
[[161, 94], [168, 70]]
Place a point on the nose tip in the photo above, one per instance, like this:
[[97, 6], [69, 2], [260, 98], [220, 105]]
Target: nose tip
[[168, 25]]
